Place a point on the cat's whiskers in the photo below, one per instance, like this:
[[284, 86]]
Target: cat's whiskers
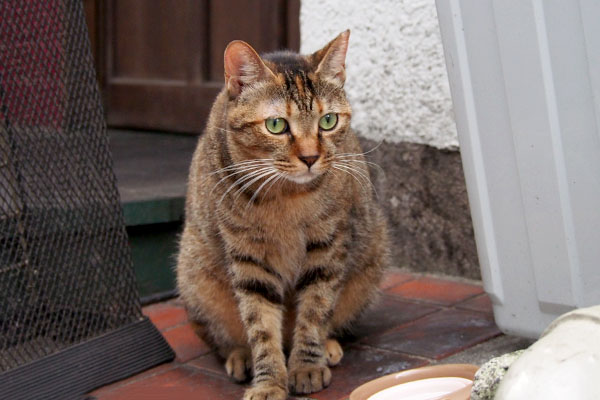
[[352, 169], [280, 176], [366, 152], [255, 179], [360, 182], [243, 179], [264, 161], [349, 172], [359, 171], [349, 158], [275, 176], [237, 172]]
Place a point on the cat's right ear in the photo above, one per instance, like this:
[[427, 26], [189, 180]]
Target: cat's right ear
[[243, 66], [331, 59]]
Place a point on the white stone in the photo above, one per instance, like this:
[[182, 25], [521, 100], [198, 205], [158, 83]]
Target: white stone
[[563, 364], [396, 76]]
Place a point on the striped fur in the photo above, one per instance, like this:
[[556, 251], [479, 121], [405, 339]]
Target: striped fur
[[275, 260]]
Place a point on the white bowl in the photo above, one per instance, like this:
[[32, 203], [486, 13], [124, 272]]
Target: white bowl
[[447, 382]]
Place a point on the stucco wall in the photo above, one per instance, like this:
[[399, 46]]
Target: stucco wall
[[396, 76]]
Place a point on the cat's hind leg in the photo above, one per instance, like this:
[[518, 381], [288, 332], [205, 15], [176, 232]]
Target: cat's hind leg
[[334, 352], [360, 289], [359, 292], [239, 364], [238, 360], [212, 307]]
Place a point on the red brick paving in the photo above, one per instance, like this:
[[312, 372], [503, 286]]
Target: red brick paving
[[435, 290], [480, 303], [144, 376], [211, 363], [185, 342], [389, 313], [392, 279], [361, 364], [180, 383], [165, 315], [438, 335], [419, 320]]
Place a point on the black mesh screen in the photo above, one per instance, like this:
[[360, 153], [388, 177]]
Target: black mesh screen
[[65, 268]]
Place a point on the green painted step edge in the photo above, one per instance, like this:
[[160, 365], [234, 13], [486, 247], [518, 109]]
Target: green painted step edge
[[155, 211], [153, 252]]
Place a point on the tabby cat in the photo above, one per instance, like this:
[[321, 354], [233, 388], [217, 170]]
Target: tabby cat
[[283, 245]]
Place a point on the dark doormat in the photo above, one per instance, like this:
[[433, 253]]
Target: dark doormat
[[70, 316]]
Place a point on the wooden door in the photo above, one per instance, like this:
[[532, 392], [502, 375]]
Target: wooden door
[[160, 62]]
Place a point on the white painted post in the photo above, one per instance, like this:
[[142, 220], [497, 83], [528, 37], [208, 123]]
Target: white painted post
[[525, 83]]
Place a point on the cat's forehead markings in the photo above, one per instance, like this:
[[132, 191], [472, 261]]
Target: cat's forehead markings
[[299, 85], [320, 106]]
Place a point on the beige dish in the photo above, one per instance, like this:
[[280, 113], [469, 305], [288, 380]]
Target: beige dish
[[466, 371]]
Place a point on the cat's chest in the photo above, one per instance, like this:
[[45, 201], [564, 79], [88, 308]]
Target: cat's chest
[[288, 241], [288, 226], [288, 215]]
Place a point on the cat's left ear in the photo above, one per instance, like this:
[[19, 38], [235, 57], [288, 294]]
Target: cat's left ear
[[332, 59], [243, 67]]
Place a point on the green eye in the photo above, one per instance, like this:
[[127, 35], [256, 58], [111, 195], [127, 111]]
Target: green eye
[[328, 121], [276, 125]]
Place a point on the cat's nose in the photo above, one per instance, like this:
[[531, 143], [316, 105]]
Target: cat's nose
[[309, 160]]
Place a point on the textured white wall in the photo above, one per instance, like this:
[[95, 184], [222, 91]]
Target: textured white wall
[[396, 76]]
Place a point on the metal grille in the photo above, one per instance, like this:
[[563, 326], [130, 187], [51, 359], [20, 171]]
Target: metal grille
[[65, 269]]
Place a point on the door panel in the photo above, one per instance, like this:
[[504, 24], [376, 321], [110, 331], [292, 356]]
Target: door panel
[[150, 39], [161, 61], [261, 23]]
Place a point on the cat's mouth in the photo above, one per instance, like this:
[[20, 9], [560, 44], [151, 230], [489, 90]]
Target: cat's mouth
[[303, 177]]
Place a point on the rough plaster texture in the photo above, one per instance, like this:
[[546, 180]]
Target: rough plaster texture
[[396, 76], [423, 194]]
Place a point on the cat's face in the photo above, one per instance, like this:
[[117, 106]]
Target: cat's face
[[287, 111]]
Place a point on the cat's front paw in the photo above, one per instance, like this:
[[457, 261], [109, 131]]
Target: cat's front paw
[[309, 379], [265, 391]]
